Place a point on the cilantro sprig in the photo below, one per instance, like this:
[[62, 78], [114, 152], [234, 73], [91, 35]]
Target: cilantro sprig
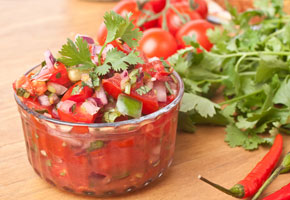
[[252, 65], [78, 53]]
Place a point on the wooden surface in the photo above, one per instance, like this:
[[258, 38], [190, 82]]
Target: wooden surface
[[28, 28]]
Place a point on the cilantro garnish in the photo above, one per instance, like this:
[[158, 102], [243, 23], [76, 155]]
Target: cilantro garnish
[[251, 64], [76, 53], [118, 61], [143, 90]]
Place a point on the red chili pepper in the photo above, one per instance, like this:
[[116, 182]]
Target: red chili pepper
[[282, 194], [251, 183]]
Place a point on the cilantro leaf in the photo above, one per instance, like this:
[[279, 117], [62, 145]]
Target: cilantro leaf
[[282, 96], [76, 53], [119, 27], [118, 60], [203, 106]]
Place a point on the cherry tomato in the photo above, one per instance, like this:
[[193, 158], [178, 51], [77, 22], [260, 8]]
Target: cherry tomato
[[78, 93], [157, 5], [174, 22], [157, 42], [197, 28], [201, 6]]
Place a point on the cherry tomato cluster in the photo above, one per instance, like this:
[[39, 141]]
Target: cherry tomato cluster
[[164, 24]]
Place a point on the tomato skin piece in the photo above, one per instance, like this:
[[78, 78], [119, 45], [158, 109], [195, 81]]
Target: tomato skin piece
[[173, 20], [202, 7], [157, 42], [83, 93], [198, 28]]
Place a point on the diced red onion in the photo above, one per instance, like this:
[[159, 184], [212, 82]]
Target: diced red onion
[[59, 89], [153, 59], [86, 38], [173, 87], [125, 78], [43, 100], [44, 74], [149, 84], [140, 77], [96, 101], [66, 106], [54, 113], [53, 98], [160, 91], [90, 107], [49, 59], [100, 93]]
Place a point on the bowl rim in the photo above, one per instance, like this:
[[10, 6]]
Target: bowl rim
[[151, 116]]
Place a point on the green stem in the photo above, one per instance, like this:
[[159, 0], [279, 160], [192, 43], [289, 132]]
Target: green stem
[[268, 182], [240, 97], [182, 18], [100, 54], [236, 191], [239, 62], [255, 53], [274, 34]]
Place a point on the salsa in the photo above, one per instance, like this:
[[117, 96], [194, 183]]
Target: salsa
[[100, 120], [99, 161]]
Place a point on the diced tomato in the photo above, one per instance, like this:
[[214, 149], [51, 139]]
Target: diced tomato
[[113, 85], [25, 83], [121, 47], [113, 88], [149, 100], [35, 105], [60, 74], [39, 87], [157, 70], [57, 74], [77, 114], [123, 143], [78, 93]]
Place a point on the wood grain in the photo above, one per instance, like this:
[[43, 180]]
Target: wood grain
[[28, 28]]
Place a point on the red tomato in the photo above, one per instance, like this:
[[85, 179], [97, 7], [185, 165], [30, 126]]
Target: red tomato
[[57, 74], [79, 114], [158, 71], [157, 5], [157, 42], [201, 6], [25, 83], [113, 87], [197, 28], [35, 105], [174, 21], [78, 93]]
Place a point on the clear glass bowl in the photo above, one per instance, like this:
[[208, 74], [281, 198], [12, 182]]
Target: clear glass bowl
[[107, 158]]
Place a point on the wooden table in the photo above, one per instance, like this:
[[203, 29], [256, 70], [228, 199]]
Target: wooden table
[[28, 28]]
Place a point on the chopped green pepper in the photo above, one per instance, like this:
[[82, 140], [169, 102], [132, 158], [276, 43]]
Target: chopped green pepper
[[129, 106]]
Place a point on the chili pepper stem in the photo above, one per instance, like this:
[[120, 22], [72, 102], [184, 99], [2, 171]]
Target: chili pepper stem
[[236, 191]]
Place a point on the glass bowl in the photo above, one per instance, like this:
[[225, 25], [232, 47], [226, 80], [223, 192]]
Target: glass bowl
[[107, 158]]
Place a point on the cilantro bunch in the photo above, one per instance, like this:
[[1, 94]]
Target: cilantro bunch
[[250, 62]]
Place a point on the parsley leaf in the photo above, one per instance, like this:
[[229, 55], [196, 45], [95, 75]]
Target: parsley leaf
[[76, 53]]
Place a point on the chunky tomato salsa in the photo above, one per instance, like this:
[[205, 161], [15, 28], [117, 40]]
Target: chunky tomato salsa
[[112, 83]]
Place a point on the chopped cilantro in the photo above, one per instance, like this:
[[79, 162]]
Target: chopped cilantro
[[75, 90], [143, 90], [58, 75], [95, 145]]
